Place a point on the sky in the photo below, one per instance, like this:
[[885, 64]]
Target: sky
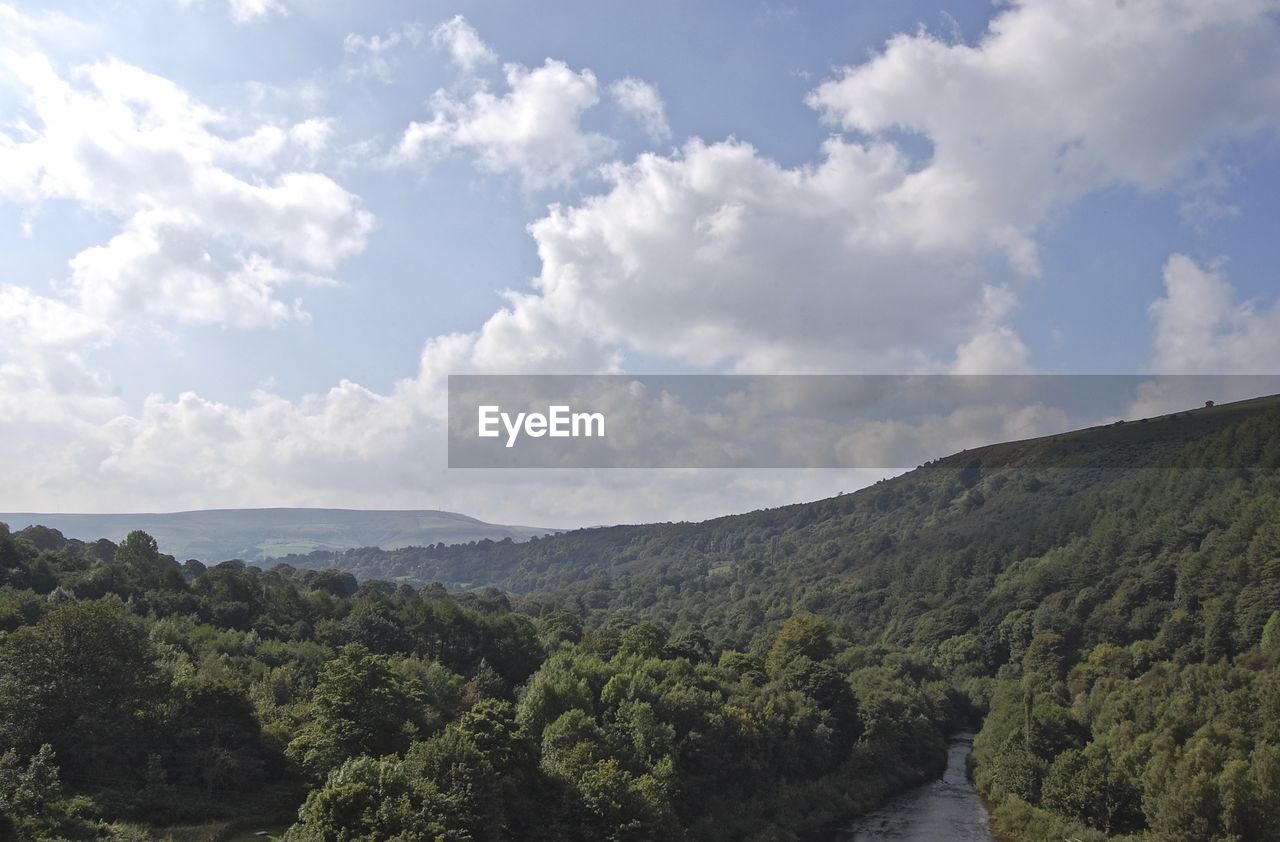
[[245, 241]]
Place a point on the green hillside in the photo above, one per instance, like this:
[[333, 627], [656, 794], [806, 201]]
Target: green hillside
[[259, 534], [1016, 496], [1108, 598], [1105, 603]]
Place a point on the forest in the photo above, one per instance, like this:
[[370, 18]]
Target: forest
[[137, 693], [1104, 603]]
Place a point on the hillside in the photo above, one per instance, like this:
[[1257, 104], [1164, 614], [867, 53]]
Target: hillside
[[1006, 493], [1107, 599], [1105, 602], [260, 534]]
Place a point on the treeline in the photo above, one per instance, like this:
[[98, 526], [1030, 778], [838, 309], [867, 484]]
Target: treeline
[[1116, 619], [1140, 694], [1108, 597], [1121, 626], [138, 693]]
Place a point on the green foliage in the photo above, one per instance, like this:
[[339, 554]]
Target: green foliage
[[803, 636], [1270, 642], [83, 679], [360, 706], [1113, 623]]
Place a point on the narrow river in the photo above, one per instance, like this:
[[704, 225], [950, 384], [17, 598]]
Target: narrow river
[[947, 809]]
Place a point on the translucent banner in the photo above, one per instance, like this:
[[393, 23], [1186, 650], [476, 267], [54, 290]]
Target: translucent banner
[[823, 421]]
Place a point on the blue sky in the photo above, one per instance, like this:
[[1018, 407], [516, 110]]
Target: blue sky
[[246, 239]]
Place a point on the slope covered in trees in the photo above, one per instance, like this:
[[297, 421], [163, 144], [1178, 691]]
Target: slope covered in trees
[[1107, 601], [137, 693], [1109, 597]]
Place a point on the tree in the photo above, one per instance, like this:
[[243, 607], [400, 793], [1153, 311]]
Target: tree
[[1270, 642], [830, 690], [361, 707], [1086, 786], [619, 807], [217, 742], [802, 635], [644, 640], [84, 680], [554, 690], [141, 566], [30, 797]]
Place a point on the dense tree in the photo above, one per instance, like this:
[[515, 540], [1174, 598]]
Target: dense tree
[[361, 706], [1113, 623], [83, 679]]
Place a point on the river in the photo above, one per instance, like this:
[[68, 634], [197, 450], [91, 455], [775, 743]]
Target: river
[[947, 809]]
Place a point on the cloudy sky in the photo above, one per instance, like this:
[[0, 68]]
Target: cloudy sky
[[246, 240]]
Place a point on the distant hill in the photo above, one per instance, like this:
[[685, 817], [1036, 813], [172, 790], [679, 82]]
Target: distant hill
[[1107, 600], [1018, 497], [259, 534]]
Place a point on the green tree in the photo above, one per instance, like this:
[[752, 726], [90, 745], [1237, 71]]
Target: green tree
[[361, 706], [802, 635], [84, 680], [1271, 634]]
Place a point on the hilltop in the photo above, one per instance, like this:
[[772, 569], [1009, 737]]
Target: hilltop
[[1105, 601], [1017, 497], [257, 535]]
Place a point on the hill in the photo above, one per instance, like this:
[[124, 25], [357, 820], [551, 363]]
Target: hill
[[990, 495], [257, 535], [1108, 600]]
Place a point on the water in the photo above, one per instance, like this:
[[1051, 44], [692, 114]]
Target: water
[[947, 809]]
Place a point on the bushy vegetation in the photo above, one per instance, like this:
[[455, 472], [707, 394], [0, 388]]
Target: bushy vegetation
[[1107, 601], [1108, 598], [135, 689]]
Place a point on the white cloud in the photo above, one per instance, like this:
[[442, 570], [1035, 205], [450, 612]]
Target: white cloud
[[1059, 99], [374, 55], [896, 442], [1201, 327], [136, 146], [994, 348], [867, 259], [32, 320], [463, 44], [247, 11], [533, 130], [43, 342], [160, 266], [642, 101], [215, 223]]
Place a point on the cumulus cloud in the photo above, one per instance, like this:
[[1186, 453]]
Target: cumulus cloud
[[533, 130], [994, 348], [641, 100], [870, 258], [43, 342], [1060, 99], [136, 146], [896, 442], [460, 40], [160, 266], [215, 224], [1201, 327]]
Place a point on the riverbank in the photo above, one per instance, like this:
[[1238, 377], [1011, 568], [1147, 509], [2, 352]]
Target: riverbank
[[948, 808]]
